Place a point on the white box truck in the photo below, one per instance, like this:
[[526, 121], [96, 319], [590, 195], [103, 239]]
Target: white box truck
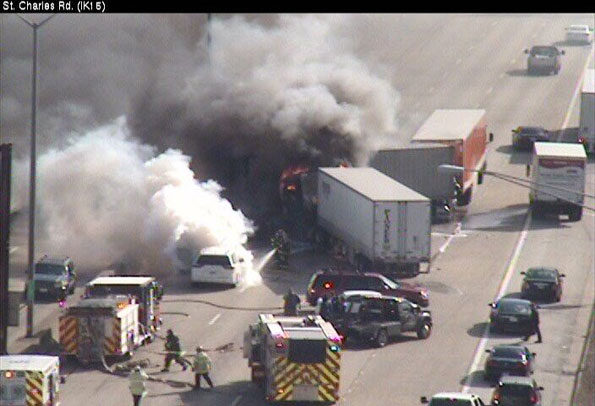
[[558, 175], [376, 222], [586, 134]]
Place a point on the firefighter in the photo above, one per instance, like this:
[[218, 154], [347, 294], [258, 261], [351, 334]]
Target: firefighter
[[62, 295], [291, 302], [137, 380], [174, 352], [202, 366], [280, 243]]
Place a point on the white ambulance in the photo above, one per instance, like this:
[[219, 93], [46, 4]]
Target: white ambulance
[[27, 380]]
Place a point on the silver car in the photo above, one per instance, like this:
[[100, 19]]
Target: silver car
[[544, 58]]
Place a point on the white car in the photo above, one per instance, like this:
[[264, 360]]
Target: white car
[[579, 33], [217, 265]]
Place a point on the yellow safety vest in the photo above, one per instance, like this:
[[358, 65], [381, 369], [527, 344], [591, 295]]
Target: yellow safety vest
[[137, 383], [202, 363]]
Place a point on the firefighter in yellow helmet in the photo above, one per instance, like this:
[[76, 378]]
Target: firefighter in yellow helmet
[[201, 366]]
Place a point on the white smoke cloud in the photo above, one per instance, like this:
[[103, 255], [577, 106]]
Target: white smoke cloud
[[106, 197]]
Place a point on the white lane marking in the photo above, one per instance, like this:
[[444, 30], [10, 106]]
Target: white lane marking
[[503, 286], [439, 234], [575, 94], [512, 61], [13, 249], [490, 90], [450, 237], [214, 319], [502, 76], [236, 400]]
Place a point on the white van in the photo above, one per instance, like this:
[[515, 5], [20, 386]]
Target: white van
[[217, 265]]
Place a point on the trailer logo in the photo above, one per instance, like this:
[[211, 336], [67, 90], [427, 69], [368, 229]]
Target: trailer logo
[[386, 228]]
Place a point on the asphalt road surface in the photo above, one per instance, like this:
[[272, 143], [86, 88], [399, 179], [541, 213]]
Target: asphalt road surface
[[468, 61]]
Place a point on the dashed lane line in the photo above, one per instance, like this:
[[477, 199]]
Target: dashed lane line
[[214, 319]]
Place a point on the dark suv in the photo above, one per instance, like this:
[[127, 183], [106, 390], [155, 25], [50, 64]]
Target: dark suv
[[53, 276], [376, 318], [333, 283]]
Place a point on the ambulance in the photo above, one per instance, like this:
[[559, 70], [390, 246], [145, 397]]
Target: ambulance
[[30, 380]]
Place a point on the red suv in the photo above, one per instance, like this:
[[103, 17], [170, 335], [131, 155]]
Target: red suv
[[334, 283]]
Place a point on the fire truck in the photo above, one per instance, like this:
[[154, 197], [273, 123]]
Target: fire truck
[[145, 289], [30, 380], [96, 328], [294, 358]]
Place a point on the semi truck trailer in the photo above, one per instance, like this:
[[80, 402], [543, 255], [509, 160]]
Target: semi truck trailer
[[416, 166], [377, 223], [465, 130], [587, 115]]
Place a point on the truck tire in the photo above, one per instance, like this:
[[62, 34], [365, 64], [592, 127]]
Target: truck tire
[[575, 213], [424, 330], [465, 198], [536, 211], [381, 338]]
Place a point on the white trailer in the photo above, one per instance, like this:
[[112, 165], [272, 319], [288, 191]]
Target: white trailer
[[558, 176], [376, 222], [587, 116]]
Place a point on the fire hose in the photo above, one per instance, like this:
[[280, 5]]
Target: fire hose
[[206, 302]]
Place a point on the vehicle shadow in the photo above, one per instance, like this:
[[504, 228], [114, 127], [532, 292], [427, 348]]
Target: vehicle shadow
[[525, 73], [572, 44], [479, 329], [220, 394], [517, 157], [509, 219], [353, 345], [476, 379]]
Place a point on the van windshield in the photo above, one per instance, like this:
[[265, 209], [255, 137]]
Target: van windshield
[[49, 269], [218, 260]]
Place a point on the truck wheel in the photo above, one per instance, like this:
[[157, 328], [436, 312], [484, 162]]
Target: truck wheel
[[381, 338], [575, 213], [424, 331], [465, 198], [536, 212]]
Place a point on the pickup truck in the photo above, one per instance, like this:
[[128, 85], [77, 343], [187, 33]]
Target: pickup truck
[[375, 318]]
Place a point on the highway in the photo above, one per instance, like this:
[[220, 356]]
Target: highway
[[454, 61]]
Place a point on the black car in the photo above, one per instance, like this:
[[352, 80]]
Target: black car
[[517, 391], [371, 317], [544, 58], [542, 283], [508, 359], [509, 314], [524, 137]]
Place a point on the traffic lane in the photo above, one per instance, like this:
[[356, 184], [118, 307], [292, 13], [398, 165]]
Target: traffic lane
[[563, 324], [492, 225], [462, 64], [462, 276]]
